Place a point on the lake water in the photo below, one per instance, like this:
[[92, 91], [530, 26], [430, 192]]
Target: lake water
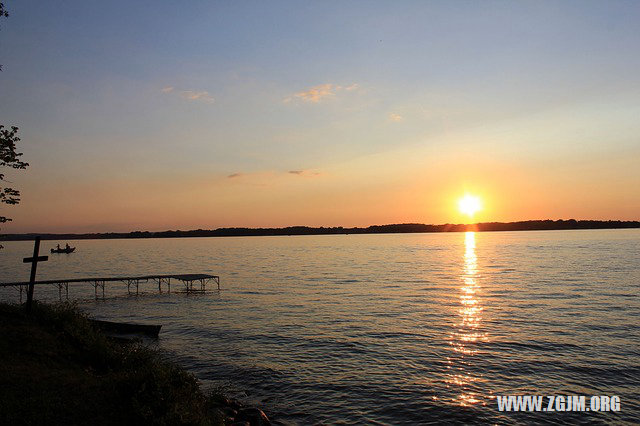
[[384, 329]]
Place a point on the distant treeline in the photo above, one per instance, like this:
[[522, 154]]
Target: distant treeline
[[529, 225]]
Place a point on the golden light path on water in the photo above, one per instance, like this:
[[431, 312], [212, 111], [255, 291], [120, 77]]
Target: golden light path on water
[[467, 330]]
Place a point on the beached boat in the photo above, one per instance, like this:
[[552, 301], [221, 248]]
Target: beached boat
[[127, 328], [63, 250]]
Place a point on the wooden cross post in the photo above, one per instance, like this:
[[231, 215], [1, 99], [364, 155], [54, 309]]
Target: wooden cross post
[[34, 264]]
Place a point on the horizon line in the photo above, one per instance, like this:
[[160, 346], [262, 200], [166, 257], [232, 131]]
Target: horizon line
[[525, 225]]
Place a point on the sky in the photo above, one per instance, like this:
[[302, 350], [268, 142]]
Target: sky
[[184, 115]]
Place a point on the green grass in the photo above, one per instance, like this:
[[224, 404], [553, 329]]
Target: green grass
[[55, 368]]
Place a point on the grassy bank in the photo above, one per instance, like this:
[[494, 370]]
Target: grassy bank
[[57, 369]]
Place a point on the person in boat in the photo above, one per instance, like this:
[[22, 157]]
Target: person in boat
[[66, 247], [58, 247]]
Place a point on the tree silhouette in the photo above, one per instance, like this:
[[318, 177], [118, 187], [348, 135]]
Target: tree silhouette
[[3, 14], [9, 157]]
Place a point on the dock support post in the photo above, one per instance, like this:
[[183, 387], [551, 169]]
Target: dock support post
[[66, 290], [132, 281], [97, 284]]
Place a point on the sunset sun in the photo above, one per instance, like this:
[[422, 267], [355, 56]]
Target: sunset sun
[[469, 205]]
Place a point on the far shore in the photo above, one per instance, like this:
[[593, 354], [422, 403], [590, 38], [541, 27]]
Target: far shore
[[528, 225]]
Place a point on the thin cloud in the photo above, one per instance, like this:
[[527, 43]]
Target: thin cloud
[[190, 95], [395, 117], [267, 175], [351, 88], [321, 92], [307, 173], [314, 94], [257, 178], [193, 95]]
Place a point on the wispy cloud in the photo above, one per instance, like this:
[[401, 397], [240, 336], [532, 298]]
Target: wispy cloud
[[265, 176], [190, 95], [303, 173], [314, 94], [321, 92], [395, 117], [193, 95], [351, 88]]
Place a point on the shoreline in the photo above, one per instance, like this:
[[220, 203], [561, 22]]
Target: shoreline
[[405, 228], [64, 370]]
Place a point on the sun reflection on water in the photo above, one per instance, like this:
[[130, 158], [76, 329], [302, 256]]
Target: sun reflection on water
[[467, 331]]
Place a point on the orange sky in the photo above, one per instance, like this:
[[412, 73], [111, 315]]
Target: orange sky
[[397, 187]]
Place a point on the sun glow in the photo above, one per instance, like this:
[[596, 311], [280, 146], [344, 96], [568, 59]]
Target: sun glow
[[469, 205]]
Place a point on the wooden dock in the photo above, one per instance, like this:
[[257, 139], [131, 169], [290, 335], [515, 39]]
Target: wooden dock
[[187, 280]]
